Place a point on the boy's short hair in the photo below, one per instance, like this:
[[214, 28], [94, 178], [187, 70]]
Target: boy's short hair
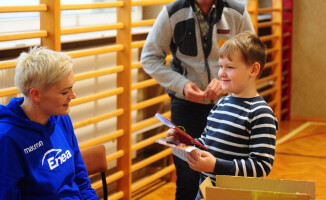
[[40, 68], [250, 47]]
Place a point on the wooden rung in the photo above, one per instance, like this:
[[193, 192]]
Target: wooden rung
[[144, 84], [92, 5], [8, 64], [115, 155], [272, 103], [151, 159], [25, 35], [149, 3], [101, 139], [148, 122], [284, 111], [286, 47], [287, 21], [268, 10], [150, 102], [267, 24], [148, 22], [285, 86], [139, 184], [287, 9], [285, 98], [95, 51], [116, 196], [269, 37], [9, 91], [113, 177], [136, 65], [250, 11], [148, 141], [271, 50], [96, 119], [138, 44], [85, 29], [270, 64], [95, 97], [285, 73], [287, 34], [32, 8], [268, 92], [285, 60], [266, 79], [15, 91], [97, 73]]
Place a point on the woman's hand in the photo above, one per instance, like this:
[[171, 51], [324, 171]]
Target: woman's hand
[[203, 162]]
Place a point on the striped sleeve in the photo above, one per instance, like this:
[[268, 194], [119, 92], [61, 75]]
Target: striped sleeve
[[262, 137]]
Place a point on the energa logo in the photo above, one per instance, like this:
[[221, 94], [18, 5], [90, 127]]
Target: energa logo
[[56, 157]]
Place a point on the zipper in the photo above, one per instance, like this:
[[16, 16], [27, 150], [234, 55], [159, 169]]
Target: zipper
[[205, 56], [211, 22]]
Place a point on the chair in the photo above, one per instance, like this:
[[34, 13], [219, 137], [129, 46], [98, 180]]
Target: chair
[[95, 161]]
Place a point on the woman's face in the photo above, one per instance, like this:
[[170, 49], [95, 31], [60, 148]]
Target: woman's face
[[56, 98]]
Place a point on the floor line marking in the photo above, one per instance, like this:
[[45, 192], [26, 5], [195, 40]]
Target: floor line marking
[[292, 133]]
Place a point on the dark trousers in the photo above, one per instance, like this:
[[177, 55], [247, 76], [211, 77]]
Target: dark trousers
[[193, 117]]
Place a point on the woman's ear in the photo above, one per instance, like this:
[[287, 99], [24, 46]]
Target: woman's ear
[[35, 95], [255, 69]]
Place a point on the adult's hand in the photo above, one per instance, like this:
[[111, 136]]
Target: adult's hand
[[193, 92], [214, 89]]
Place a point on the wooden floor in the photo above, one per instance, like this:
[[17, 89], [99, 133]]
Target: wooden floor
[[300, 155]]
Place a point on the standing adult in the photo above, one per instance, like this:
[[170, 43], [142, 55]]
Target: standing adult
[[39, 154], [194, 30]]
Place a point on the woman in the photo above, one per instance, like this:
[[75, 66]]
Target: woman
[[39, 153]]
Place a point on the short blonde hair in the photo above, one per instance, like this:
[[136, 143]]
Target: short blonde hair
[[250, 47], [40, 68]]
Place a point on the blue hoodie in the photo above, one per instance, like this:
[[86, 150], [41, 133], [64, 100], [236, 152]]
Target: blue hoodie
[[37, 161]]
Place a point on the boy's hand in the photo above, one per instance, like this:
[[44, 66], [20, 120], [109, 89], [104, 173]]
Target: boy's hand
[[214, 89], [205, 162], [171, 135]]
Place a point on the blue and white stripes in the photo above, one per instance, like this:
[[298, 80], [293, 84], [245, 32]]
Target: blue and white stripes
[[241, 134]]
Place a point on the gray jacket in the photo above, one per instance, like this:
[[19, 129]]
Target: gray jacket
[[193, 59]]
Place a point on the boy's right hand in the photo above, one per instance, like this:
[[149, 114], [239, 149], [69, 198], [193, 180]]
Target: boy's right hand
[[171, 135]]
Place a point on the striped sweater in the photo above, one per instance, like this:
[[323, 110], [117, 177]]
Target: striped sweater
[[241, 134]]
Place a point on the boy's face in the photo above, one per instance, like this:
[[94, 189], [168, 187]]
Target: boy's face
[[236, 76]]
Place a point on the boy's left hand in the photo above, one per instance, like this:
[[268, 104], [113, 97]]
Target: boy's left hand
[[214, 89], [205, 162]]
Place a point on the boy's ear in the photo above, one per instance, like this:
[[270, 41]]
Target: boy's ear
[[35, 95], [255, 69]]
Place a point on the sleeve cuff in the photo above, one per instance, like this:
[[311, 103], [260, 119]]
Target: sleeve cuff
[[224, 167]]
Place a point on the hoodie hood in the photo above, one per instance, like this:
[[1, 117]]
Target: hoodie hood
[[13, 114]]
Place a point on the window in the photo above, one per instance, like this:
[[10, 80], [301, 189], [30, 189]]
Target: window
[[29, 21]]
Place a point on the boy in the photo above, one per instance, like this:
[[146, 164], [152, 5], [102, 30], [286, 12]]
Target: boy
[[241, 128], [193, 30]]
